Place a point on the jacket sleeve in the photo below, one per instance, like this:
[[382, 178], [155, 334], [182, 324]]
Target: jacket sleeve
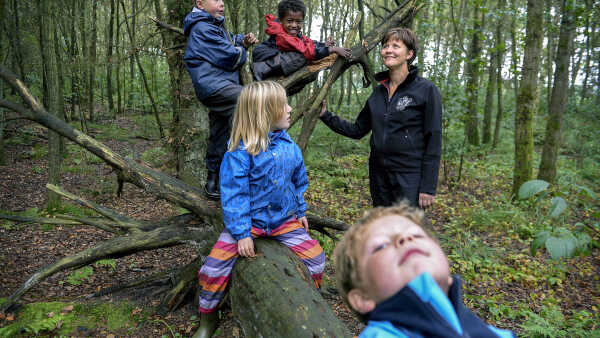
[[356, 130], [209, 45], [321, 51], [432, 130], [235, 193], [300, 181]]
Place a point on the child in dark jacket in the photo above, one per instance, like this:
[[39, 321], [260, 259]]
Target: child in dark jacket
[[287, 50], [263, 180], [213, 58], [397, 278]]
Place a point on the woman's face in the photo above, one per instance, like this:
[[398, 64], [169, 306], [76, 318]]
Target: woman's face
[[395, 54]]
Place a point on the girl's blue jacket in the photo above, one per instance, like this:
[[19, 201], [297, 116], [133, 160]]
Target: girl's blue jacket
[[265, 190], [212, 58]]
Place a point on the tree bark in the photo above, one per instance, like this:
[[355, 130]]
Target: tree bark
[[275, 266], [588, 50], [472, 76], [514, 65], [109, 58], [50, 86], [18, 46], [526, 99], [499, 38], [91, 63], [558, 102], [491, 88]]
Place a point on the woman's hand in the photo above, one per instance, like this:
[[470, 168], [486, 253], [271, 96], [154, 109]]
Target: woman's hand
[[323, 108], [304, 222], [425, 200], [246, 247], [249, 40]]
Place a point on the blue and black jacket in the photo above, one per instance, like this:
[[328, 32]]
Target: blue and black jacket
[[264, 190], [422, 309], [213, 56]]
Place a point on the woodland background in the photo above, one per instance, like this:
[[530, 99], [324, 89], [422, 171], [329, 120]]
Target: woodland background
[[517, 209]]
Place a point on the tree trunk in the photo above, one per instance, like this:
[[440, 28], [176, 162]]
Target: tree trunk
[[109, 58], [587, 70], [118, 70], [3, 47], [491, 88], [526, 99], [91, 63], [472, 76], [18, 52], [271, 273], [514, 65], [50, 86], [500, 42], [559, 94]]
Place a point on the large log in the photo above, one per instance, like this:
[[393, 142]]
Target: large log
[[260, 287]]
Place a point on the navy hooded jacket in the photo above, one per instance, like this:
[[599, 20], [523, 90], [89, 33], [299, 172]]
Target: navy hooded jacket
[[422, 309], [212, 58]]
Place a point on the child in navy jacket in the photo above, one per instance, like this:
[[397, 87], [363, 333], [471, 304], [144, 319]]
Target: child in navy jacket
[[287, 49], [397, 278], [213, 58]]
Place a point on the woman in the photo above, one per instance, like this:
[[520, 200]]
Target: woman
[[405, 115]]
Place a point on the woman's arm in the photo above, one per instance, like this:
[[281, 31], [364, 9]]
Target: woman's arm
[[356, 130], [432, 130]]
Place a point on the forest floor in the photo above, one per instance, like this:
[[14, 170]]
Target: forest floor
[[503, 283]]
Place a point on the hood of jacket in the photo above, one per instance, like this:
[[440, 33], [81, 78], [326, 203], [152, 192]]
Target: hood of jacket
[[197, 15], [422, 308]]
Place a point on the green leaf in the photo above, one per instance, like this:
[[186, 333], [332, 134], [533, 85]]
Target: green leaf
[[588, 191], [561, 247], [558, 205], [539, 241], [530, 188]]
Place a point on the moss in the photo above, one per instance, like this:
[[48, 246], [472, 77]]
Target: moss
[[38, 318]]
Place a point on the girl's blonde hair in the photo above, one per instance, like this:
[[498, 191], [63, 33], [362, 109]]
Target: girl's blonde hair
[[259, 105]]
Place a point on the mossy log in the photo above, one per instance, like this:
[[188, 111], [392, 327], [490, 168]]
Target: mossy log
[[273, 295]]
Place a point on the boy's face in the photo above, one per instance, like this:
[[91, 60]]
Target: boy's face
[[395, 251], [292, 22], [215, 8]]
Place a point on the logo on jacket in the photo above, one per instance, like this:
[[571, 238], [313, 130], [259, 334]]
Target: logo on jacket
[[403, 102]]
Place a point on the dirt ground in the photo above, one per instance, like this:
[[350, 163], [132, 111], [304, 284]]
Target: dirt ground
[[26, 248]]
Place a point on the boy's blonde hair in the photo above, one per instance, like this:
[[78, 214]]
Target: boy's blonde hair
[[259, 105], [348, 251]]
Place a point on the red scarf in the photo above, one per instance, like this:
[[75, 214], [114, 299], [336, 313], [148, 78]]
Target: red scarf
[[288, 43]]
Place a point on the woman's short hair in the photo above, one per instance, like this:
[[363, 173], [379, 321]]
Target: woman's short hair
[[405, 35]]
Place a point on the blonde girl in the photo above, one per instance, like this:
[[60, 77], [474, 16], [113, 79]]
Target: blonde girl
[[263, 181]]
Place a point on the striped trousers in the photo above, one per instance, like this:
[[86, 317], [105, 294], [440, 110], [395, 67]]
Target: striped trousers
[[214, 275]]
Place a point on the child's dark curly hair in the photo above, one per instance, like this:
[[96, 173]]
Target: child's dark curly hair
[[286, 6]]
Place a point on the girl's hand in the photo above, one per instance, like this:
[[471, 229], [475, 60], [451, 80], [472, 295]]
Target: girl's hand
[[304, 222], [330, 42], [246, 247], [249, 40], [341, 51], [425, 200]]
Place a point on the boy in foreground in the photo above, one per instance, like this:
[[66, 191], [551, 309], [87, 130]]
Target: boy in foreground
[[397, 278]]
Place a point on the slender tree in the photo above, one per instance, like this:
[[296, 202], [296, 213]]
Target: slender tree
[[490, 91], [499, 38], [91, 62], [18, 58], [514, 65], [526, 99], [109, 57], [472, 71], [50, 85], [587, 70], [559, 94]]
